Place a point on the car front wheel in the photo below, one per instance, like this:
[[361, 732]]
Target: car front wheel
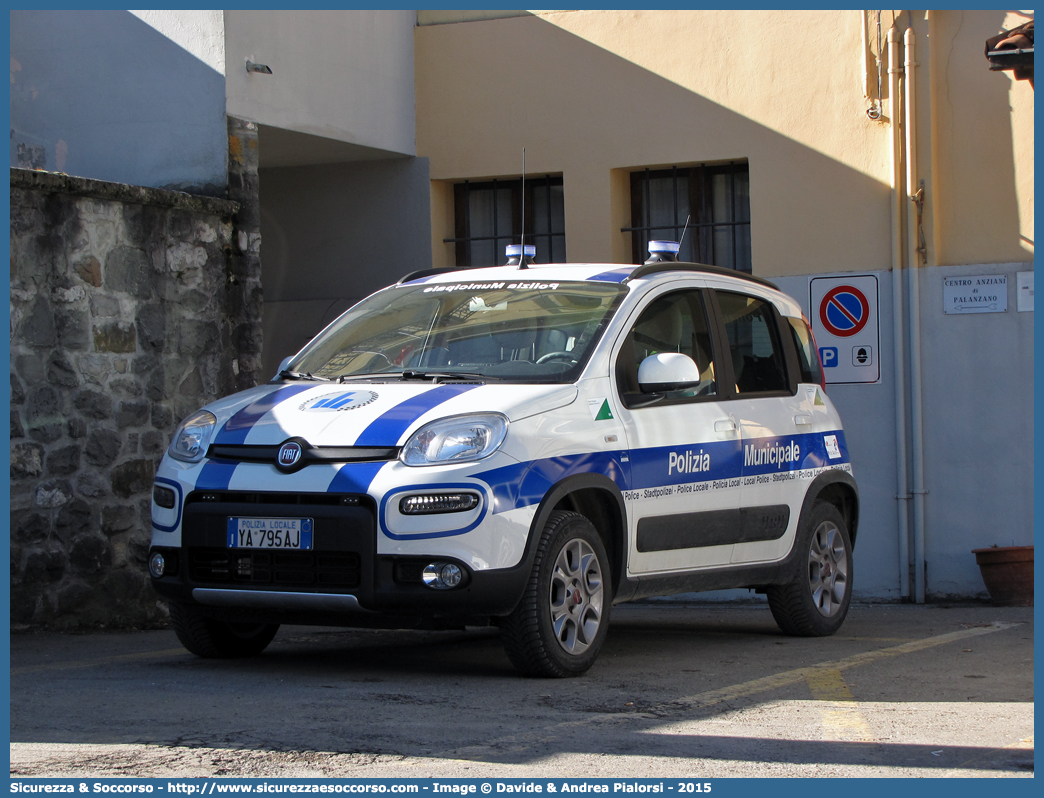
[[211, 638], [561, 621]]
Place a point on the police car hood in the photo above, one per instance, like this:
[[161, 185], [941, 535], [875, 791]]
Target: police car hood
[[369, 414]]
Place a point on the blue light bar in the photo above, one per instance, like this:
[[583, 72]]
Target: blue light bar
[[514, 250], [664, 246]]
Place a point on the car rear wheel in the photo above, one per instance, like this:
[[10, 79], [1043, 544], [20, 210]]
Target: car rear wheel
[[561, 622], [815, 602], [210, 638]]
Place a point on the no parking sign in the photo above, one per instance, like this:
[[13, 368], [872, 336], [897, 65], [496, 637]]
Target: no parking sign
[[844, 320]]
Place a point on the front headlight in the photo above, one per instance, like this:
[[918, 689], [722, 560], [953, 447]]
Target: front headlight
[[460, 439], [193, 436]]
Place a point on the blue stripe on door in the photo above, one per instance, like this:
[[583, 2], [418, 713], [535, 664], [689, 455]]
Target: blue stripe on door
[[525, 484]]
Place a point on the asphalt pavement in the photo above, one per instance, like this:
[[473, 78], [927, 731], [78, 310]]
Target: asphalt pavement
[[685, 690]]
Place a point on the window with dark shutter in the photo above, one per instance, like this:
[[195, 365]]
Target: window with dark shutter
[[714, 199], [488, 217]]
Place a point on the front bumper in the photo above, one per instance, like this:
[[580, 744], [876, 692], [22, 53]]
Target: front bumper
[[341, 579]]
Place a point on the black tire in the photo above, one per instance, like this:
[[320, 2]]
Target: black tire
[[815, 602], [560, 624], [210, 638]]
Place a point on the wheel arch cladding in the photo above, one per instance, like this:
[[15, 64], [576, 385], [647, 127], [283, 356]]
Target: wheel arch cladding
[[599, 500], [839, 489]]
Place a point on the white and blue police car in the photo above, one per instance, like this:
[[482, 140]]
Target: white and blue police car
[[523, 445]]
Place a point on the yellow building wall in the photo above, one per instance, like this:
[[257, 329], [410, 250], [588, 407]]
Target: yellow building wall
[[594, 95], [981, 143]]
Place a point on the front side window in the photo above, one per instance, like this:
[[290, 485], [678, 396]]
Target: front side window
[[525, 331], [488, 216], [758, 361], [715, 200], [675, 322]]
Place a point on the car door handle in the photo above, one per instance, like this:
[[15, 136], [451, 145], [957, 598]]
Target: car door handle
[[801, 419], [725, 425]]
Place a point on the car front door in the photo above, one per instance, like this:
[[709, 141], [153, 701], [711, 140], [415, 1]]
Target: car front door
[[684, 445]]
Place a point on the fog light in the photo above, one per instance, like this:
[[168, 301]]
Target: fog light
[[434, 503], [442, 575], [164, 497], [157, 565]]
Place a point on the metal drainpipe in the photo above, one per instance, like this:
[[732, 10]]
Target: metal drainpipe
[[914, 259], [899, 340]]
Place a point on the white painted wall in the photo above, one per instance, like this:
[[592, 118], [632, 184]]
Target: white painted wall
[[978, 423], [333, 234], [201, 33], [129, 98], [342, 75]]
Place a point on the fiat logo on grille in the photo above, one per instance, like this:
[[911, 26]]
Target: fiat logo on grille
[[289, 455]]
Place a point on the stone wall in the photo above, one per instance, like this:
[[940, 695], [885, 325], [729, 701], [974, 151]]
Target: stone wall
[[130, 308]]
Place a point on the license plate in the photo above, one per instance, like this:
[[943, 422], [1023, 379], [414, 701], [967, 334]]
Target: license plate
[[270, 533]]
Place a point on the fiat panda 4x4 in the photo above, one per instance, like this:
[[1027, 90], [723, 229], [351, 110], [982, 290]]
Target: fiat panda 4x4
[[524, 445]]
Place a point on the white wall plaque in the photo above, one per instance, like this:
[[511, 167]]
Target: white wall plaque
[[983, 293], [1024, 295]]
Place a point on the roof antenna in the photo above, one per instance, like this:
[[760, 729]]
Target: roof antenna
[[521, 255], [681, 241], [522, 240]]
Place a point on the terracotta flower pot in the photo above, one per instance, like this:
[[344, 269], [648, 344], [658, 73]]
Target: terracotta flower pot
[[1008, 573]]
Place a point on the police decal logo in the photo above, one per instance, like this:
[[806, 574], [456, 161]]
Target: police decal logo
[[342, 400]]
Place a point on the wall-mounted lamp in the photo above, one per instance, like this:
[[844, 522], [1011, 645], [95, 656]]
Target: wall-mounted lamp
[[263, 69]]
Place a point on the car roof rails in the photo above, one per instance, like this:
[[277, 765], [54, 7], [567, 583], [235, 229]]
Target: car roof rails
[[639, 272], [427, 273], [703, 268]]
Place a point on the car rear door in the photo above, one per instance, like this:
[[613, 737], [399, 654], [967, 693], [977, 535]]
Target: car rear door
[[772, 420]]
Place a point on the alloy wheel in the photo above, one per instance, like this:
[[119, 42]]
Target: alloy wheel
[[576, 594], [827, 569]]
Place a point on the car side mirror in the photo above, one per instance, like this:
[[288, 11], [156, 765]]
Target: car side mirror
[[668, 371]]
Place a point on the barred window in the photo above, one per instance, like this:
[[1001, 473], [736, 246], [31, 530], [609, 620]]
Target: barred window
[[715, 200], [488, 217]]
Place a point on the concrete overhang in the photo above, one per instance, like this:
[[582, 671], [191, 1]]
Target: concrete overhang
[[281, 147]]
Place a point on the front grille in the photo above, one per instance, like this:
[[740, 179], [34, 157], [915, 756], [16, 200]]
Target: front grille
[[252, 453], [343, 539], [298, 569], [265, 497]]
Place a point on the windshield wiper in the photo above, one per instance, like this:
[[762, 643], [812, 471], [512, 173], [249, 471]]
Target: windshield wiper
[[351, 377], [286, 374], [443, 375], [420, 376]]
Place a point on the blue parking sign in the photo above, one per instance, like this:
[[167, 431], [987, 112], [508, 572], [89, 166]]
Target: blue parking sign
[[828, 355]]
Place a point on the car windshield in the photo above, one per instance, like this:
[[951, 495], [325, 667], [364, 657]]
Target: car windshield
[[524, 331]]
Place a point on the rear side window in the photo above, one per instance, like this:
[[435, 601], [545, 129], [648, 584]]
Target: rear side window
[[808, 358], [757, 357]]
